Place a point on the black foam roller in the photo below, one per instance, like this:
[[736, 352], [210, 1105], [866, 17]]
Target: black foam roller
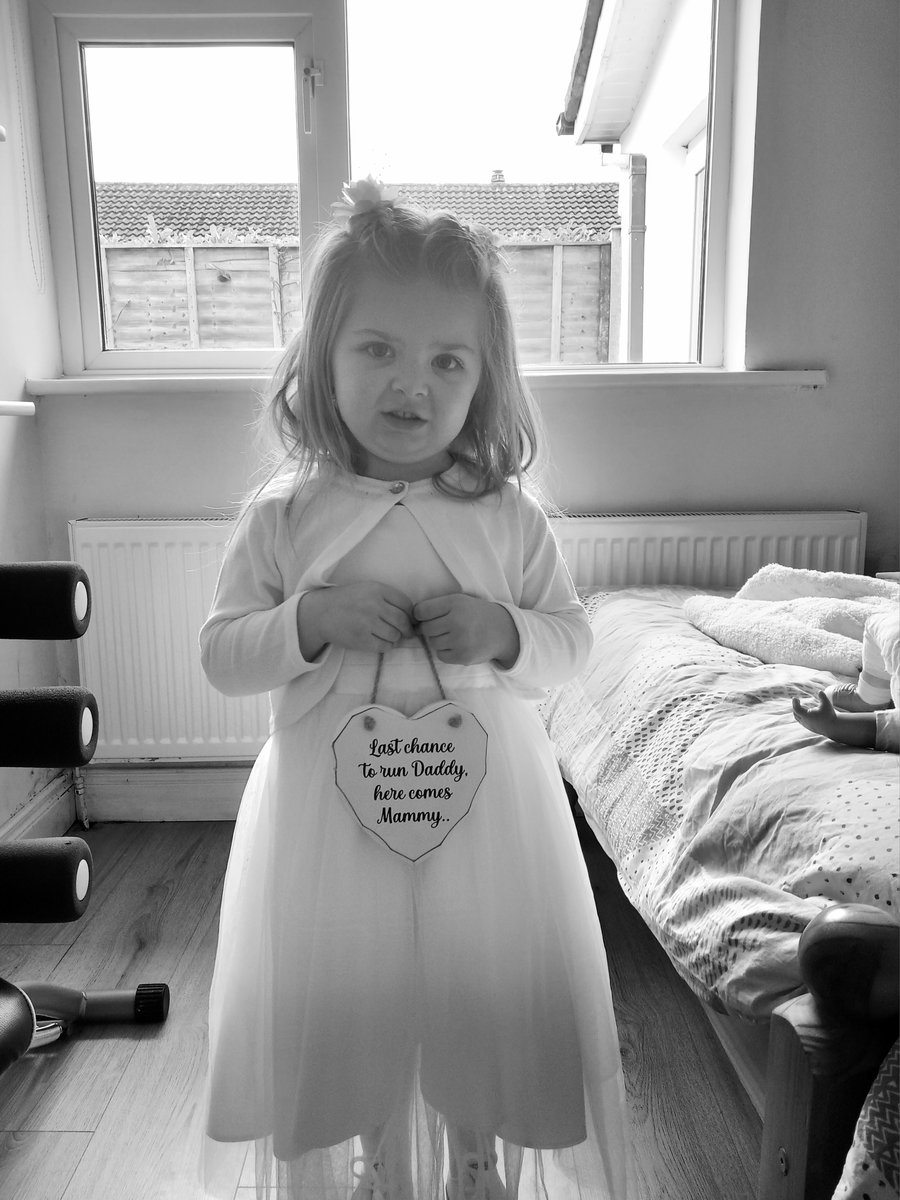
[[45, 879], [16, 1024], [47, 727], [47, 600]]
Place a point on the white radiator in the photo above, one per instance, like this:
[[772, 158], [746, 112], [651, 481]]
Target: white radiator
[[706, 549], [152, 583]]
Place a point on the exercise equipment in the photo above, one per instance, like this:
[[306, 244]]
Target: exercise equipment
[[47, 727], [50, 601], [45, 879], [50, 879]]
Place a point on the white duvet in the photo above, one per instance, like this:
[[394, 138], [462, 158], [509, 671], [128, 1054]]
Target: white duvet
[[730, 824]]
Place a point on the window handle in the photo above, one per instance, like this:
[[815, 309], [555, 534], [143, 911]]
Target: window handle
[[312, 78]]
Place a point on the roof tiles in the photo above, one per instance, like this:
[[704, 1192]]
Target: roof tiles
[[530, 211]]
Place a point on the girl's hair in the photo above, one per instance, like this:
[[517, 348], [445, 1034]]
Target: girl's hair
[[500, 437]]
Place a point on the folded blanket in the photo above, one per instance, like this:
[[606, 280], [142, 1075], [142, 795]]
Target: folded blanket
[[803, 618]]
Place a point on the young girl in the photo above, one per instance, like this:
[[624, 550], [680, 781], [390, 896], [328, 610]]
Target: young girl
[[384, 1028]]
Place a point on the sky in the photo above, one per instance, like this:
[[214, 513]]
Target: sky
[[433, 99]]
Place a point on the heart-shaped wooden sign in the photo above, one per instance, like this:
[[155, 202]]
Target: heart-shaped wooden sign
[[410, 780]]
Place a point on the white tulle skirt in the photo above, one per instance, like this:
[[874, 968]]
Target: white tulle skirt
[[357, 994]]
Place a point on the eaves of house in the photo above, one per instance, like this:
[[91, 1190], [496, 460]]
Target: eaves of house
[[617, 46]]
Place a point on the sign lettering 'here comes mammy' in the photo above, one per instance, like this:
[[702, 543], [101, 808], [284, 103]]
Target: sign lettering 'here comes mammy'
[[410, 780]]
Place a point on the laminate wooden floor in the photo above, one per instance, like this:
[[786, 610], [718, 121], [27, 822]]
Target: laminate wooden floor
[[113, 1112]]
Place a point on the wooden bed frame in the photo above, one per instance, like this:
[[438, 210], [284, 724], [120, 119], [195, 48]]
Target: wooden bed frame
[[819, 1072], [807, 1074]]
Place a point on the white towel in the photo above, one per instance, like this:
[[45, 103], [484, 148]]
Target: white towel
[[775, 582], [803, 618]]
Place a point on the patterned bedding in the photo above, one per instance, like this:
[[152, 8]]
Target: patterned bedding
[[730, 825]]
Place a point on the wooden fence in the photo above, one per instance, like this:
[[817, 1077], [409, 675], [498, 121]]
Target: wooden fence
[[160, 296]]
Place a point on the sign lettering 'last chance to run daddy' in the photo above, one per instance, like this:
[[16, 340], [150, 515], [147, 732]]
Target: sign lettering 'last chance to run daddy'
[[410, 780]]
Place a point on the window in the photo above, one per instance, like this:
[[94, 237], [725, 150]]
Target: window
[[161, 120], [604, 212], [187, 257], [602, 219]]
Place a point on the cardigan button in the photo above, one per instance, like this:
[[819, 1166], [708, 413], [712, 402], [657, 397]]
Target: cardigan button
[[398, 488]]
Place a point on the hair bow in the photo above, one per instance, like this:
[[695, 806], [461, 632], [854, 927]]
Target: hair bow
[[486, 234], [361, 196]]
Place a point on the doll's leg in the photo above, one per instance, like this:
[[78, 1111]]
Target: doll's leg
[[847, 697], [872, 691], [874, 684], [473, 1166], [887, 731]]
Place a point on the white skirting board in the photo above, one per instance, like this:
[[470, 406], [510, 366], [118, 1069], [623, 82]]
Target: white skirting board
[[201, 791], [50, 812]]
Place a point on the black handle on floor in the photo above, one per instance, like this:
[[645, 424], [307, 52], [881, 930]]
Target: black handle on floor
[[147, 1004]]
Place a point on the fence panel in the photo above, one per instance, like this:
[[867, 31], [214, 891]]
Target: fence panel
[[148, 298], [234, 296], [291, 302], [530, 287], [248, 296], [584, 304]]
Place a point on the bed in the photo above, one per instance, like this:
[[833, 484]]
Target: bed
[[732, 828]]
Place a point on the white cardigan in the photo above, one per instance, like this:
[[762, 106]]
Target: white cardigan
[[500, 548]]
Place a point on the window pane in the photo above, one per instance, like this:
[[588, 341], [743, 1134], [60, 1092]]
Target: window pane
[[195, 192], [462, 115]]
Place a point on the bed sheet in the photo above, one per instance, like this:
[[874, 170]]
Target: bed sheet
[[730, 825]]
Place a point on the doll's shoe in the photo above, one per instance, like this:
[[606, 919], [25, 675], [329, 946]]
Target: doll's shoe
[[478, 1180], [845, 698]]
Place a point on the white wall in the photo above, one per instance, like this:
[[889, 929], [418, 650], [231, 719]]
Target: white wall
[[28, 346], [824, 277]]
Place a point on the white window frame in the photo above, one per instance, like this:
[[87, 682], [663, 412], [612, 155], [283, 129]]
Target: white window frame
[[59, 29], [697, 167], [719, 150]]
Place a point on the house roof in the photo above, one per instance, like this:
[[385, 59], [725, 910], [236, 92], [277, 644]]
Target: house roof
[[530, 211]]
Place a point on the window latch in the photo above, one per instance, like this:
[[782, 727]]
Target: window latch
[[312, 78]]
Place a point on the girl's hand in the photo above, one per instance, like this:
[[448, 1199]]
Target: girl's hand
[[466, 629], [358, 616]]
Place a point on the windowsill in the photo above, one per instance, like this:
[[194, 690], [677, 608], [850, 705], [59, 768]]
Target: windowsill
[[233, 382], [671, 375], [119, 383]]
